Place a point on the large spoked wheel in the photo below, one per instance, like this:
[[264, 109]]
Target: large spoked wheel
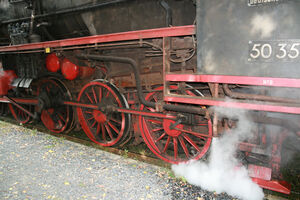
[[103, 126], [188, 141], [55, 116], [19, 115]]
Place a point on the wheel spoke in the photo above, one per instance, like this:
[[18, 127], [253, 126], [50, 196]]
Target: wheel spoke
[[113, 127], [183, 145], [157, 129], [167, 144], [94, 124], [98, 129], [107, 94], [89, 97], [109, 132], [175, 147], [94, 94], [100, 94], [103, 132], [187, 138], [161, 137], [115, 120], [89, 119]]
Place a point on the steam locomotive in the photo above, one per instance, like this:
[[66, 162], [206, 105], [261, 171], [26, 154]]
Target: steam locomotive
[[154, 70]]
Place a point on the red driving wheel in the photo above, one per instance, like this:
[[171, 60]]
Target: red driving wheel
[[103, 126], [179, 144], [55, 116]]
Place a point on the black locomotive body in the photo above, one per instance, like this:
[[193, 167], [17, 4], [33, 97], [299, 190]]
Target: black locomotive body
[[153, 71], [54, 20]]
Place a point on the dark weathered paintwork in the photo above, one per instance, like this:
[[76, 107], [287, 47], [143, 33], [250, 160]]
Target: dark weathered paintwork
[[227, 31], [110, 18]]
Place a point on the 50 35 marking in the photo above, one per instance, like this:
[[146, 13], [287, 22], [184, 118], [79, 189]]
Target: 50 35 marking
[[274, 51]]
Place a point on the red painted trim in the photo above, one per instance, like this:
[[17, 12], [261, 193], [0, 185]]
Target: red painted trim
[[234, 104], [148, 114], [20, 101], [278, 186], [132, 35], [82, 105], [247, 80]]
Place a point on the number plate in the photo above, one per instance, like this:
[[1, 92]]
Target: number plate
[[274, 51]]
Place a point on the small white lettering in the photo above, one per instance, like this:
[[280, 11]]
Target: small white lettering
[[267, 82], [258, 2]]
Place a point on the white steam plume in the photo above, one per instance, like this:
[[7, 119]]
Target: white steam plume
[[222, 172], [4, 4]]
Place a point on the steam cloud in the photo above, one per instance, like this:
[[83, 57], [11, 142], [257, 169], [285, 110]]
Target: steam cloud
[[222, 172], [4, 4]]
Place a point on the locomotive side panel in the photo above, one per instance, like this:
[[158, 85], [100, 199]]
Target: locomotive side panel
[[56, 19], [249, 38]]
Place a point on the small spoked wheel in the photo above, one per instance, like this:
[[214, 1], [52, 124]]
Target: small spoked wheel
[[55, 116], [104, 126], [176, 143], [20, 115]]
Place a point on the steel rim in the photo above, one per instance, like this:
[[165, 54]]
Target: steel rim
[[58, 118], [179, 145], [104, 127]]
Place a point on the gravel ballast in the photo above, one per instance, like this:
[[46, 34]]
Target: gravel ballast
[[35, 165]]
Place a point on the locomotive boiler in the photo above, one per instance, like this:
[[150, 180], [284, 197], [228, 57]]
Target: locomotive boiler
[[154, 71]]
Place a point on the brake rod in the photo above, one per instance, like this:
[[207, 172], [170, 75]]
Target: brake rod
[[19, 106], [17, 101]]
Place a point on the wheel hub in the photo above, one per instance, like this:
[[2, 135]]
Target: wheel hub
[[171, 132], [99, 116]]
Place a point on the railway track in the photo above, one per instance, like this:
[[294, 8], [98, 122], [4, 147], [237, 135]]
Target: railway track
[[129, 151]]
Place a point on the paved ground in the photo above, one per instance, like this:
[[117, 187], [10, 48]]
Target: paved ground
[[35, 165]]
